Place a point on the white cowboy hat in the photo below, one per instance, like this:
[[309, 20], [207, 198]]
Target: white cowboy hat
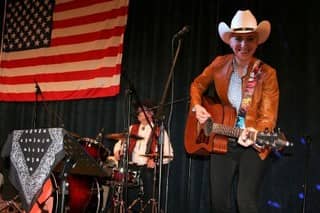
[[244, 22]]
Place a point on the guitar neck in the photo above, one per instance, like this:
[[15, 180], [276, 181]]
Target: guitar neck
[[221, 129], [227, 131]]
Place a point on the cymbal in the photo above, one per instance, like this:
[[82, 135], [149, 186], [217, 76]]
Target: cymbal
[[121, 136], [156, 155], [73, 134]]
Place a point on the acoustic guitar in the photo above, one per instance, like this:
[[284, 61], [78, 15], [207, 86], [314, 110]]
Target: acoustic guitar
[[212, 136]]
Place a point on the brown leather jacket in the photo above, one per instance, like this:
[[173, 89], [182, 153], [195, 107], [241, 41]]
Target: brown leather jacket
[[263, 111]]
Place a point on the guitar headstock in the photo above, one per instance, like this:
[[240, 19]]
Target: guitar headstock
[[273, 140]]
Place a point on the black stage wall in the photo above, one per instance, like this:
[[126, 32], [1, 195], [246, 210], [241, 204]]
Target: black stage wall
[[293, 49]]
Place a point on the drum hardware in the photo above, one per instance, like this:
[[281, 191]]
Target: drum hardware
[[156, 156], [118, 177], [118, 183], [118, 204], [11, 206]]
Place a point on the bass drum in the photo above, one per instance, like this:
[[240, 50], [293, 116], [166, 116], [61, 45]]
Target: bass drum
[[84, 194]]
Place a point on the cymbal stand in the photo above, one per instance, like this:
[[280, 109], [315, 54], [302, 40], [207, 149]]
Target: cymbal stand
[[153, 201], [118, 202]]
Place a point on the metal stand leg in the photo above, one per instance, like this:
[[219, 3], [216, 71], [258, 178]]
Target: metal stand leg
[[118, 203], [152, 201]]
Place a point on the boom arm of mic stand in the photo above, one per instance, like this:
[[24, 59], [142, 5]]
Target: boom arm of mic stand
[[160, 117], [159, 114]]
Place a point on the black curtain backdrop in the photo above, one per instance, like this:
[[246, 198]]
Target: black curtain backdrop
[[293, 49]]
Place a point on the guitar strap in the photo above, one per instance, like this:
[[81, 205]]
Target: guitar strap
[[248, 92]]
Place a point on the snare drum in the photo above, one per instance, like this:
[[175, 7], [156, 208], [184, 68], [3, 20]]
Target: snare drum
[[132, 177]]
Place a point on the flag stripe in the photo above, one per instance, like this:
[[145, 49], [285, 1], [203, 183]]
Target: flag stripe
[[62, 95], [70, 5], [116, 22], [66, 85], [87, 36], [55, 77], [90, 18], [63, 68], [58, 59]]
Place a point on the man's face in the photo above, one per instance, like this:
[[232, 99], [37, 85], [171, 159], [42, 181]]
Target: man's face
[[142, 118]]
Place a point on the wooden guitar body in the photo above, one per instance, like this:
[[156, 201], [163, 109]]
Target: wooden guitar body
[[196, 142]]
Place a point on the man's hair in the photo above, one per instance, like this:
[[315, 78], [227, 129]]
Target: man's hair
[[147, 104]]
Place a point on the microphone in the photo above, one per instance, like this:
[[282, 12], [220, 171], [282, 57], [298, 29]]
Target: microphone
[[181, 33], [38, 89]]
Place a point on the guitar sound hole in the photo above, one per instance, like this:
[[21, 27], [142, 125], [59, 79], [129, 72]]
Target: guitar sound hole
[[202, 138], [208, 127]]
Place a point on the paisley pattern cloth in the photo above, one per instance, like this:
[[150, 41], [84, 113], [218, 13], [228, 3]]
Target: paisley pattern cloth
[[33, 155], [248, 93]]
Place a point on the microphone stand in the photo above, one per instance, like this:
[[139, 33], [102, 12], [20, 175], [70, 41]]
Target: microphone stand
[[36, 103], [125, 156], [160, 117], [131, 92], [38, 93]]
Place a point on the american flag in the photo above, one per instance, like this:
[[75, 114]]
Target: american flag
[[70, 49]]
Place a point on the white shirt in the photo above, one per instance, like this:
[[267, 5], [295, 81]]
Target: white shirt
[[141, 146]]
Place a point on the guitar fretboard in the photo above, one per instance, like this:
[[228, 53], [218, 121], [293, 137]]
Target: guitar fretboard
[[211, 127]]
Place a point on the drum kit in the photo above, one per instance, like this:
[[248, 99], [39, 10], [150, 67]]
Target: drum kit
[[87, 193], [96, 194]]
